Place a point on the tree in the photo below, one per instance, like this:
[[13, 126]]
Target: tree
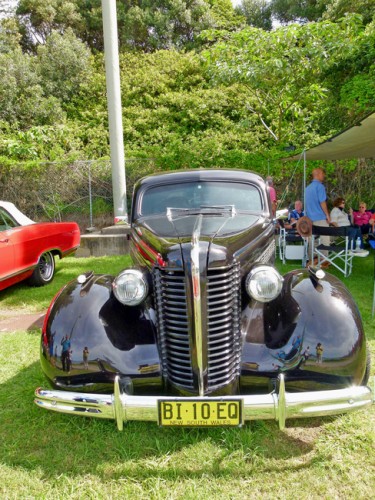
[[282, 71], [151, 25], [336, 9], [64, 62], [256, 12], [39, 18], [146, 25], [287, 11], [9, 35], [23, 102]]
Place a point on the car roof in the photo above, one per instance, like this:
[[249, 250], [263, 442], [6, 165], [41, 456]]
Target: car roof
[[11, 208], [201, 174]]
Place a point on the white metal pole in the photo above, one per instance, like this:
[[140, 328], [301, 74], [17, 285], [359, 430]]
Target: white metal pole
[[112, 70], [304, 179]]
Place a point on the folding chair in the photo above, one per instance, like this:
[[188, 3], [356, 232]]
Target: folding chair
[[292, 246], [338, 252]]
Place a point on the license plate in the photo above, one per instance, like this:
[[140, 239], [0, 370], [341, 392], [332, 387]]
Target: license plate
[[200, 413]]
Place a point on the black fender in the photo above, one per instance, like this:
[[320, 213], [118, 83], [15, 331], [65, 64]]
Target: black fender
[[89, 337], [312, 333]]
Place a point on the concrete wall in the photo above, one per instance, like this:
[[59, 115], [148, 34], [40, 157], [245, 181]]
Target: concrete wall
[[111, 240]]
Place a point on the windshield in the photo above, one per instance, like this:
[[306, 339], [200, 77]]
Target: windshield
[[6, 220], [194, 195]]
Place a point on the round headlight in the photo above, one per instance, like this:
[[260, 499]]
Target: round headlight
[[264, 283], [130, 287]]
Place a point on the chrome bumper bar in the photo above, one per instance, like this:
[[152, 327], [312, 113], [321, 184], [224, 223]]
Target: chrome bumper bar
[[275, 406]]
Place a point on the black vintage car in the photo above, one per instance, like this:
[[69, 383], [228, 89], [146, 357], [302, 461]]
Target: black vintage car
[[203, 330]]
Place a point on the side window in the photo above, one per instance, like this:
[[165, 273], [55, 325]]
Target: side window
[[6, 221]]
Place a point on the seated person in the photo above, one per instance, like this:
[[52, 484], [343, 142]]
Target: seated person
[[339, 218], [296, 213], [372, 223], [362, 219]]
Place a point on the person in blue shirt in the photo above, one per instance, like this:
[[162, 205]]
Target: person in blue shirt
[[296, 213], [316, 205]]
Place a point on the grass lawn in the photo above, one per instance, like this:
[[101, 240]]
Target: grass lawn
[[47, 455]]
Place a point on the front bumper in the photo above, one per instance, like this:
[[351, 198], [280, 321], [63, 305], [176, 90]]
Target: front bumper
[[277, 406]]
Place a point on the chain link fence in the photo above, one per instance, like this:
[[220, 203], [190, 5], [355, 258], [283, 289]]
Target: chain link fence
[[80, 191]]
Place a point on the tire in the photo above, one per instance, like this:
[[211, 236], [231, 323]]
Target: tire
[[44, 271]]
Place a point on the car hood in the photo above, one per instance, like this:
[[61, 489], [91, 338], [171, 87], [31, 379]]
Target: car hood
[[222, 236]]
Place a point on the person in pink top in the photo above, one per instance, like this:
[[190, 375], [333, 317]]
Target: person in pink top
[[273, 195], [362, 218], [372, 222]]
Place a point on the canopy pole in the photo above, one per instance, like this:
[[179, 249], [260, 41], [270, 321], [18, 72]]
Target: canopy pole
[[373, 295], [304, 180]]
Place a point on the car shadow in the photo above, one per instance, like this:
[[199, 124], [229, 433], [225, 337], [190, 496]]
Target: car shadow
[[53, 442]]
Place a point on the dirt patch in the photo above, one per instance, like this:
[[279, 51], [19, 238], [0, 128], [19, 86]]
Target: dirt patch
[[15, 320]]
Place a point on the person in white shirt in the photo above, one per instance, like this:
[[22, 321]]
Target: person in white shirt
[[339, 218]]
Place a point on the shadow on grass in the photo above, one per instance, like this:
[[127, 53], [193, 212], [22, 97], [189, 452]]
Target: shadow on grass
[[53, 443]]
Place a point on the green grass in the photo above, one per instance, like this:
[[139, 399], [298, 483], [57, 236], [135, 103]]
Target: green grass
[[47, 455], [38, 299]]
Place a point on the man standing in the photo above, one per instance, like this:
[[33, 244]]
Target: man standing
[[316, 205]]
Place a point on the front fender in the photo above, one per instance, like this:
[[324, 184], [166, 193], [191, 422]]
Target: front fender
[[312, 332], [89, 337]]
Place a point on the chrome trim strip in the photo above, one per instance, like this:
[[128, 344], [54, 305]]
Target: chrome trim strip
[[268, 253], [275, 406], [197, 302], [17, 273]]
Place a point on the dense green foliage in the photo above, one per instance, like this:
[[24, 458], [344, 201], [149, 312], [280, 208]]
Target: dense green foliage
[[286, 11], [199, 86]]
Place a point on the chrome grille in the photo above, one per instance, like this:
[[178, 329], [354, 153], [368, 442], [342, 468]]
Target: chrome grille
[[222, 327], [172, 316]]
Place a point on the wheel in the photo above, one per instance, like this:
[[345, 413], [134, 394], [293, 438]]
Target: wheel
[[44, 271]]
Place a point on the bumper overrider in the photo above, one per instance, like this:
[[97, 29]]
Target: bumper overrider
[[278, 405]]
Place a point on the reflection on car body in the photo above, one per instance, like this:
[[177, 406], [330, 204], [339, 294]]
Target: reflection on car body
[[202, 330]]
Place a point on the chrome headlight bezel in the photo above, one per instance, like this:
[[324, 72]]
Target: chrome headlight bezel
[[264, 283], [130, 287]]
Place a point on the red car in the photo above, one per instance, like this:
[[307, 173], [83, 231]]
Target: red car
[[28, 249]]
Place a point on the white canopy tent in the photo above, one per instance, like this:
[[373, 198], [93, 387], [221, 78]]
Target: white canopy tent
[[357, 141]]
